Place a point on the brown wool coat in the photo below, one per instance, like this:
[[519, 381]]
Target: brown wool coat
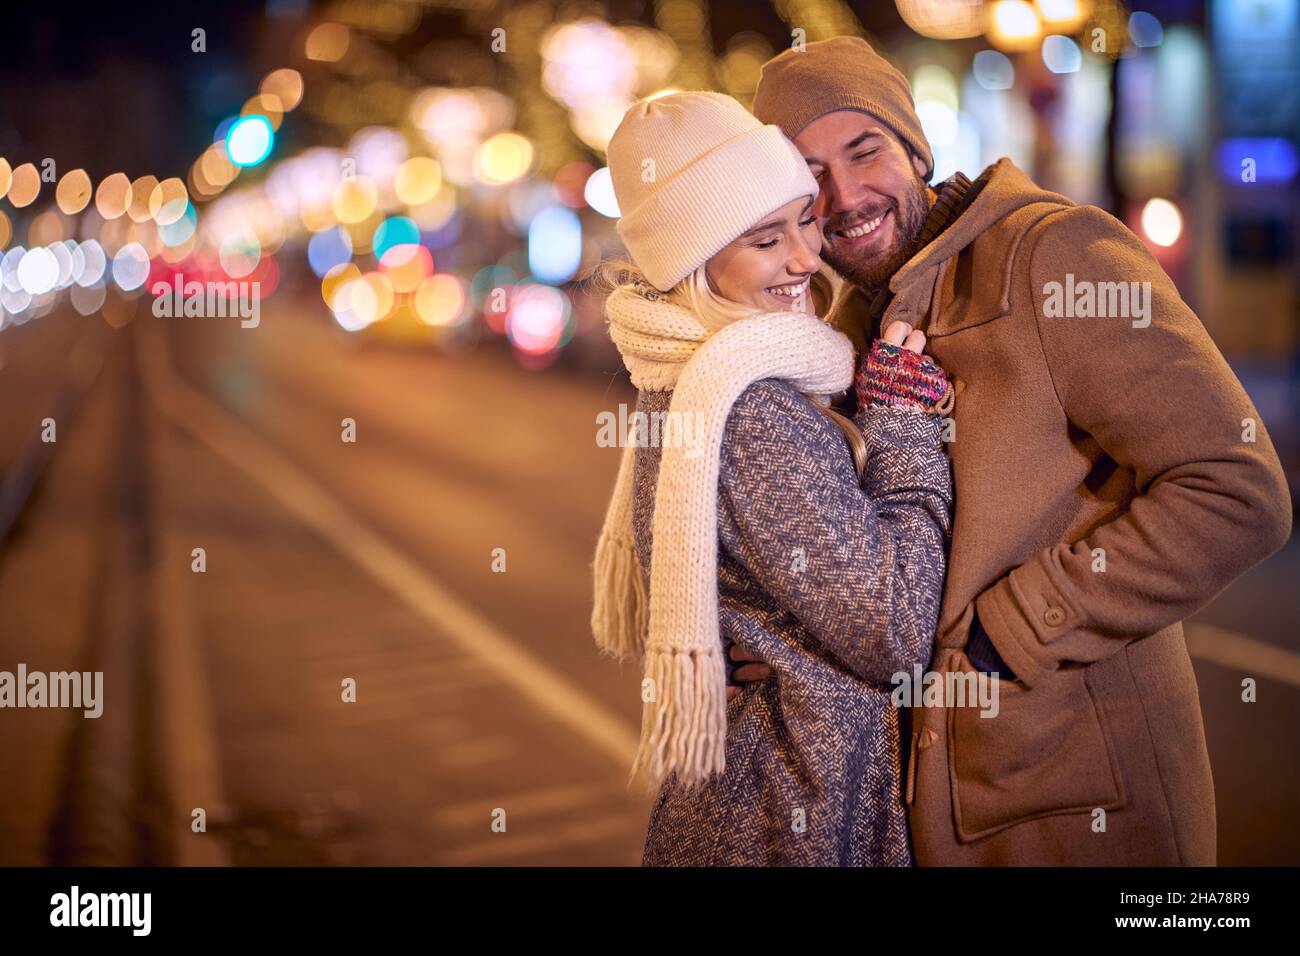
[[1076, 439]]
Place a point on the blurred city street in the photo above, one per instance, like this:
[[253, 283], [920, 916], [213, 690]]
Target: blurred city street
[[447, 725]]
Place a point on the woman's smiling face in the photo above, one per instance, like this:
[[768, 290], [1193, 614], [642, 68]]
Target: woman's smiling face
[[769, 267]]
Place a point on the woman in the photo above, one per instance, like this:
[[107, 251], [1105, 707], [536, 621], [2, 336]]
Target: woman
[[761, 518]]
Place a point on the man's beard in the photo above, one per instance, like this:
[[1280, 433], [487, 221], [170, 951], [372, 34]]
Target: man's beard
[[908, 221]]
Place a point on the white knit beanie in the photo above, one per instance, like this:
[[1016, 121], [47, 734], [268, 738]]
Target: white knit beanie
[[692, 172]]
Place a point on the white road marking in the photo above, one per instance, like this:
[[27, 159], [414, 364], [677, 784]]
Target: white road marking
[[1253, 658], [216, 428]]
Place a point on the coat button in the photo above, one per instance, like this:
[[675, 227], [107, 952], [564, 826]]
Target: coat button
[[1054, 616], [928, 737]]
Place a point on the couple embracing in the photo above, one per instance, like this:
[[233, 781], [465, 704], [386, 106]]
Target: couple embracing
[[905, 462]]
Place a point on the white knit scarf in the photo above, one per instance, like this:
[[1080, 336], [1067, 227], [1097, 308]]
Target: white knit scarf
[[675, 628]]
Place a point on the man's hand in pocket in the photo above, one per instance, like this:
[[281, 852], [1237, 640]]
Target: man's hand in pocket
[[751, 668]]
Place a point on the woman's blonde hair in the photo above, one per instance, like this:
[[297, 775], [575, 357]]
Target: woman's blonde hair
[[695, 294]]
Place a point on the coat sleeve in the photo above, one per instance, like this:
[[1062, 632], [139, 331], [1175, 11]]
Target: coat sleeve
[[861, 566], [1158, 397]]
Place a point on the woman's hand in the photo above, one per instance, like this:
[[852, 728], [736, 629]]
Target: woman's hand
[[897, 373], [900, 333]]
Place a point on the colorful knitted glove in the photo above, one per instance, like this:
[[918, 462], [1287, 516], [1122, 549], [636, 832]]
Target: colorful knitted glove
[[895, 376]]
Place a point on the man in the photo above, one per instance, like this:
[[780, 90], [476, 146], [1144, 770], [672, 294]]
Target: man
[[1111, 476]]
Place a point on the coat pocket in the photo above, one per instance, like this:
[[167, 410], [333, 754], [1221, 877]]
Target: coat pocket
[[1048, 751]]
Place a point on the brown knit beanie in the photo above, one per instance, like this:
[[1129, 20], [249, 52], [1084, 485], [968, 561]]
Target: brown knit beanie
[[843, 73]]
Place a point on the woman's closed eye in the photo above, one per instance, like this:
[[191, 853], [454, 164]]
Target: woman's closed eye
[[769, 243]]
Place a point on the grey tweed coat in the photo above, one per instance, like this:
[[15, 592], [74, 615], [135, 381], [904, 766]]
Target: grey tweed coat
[[837, 586]]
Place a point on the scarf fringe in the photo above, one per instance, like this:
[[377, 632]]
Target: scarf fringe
[[620, 612], [684, 729], [620, 609]]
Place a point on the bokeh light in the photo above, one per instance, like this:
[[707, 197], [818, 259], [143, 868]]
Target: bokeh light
[[130, 267], [355, 199], [1162, 222], [213, 172], [406, 266], [285, 85], [394, 231], [503, 158], [266, 106], [1013, 26], [168, 201], [92, 271], [141, 190], [1061, 54], [440, 300], [1063, 16], [1145, 29], [38, 271], [993, 70], [362, 300], [181, 231], [571, 183], [437, 213], [113, 196], [327, 249], [327, 43], [24, 186], [88, 300], [378, 152], [240, 253], [47, 228], [9, 269], [418, 180], [555, 244], [599, 193], [73, 192], [249, 140], [535, 322]]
